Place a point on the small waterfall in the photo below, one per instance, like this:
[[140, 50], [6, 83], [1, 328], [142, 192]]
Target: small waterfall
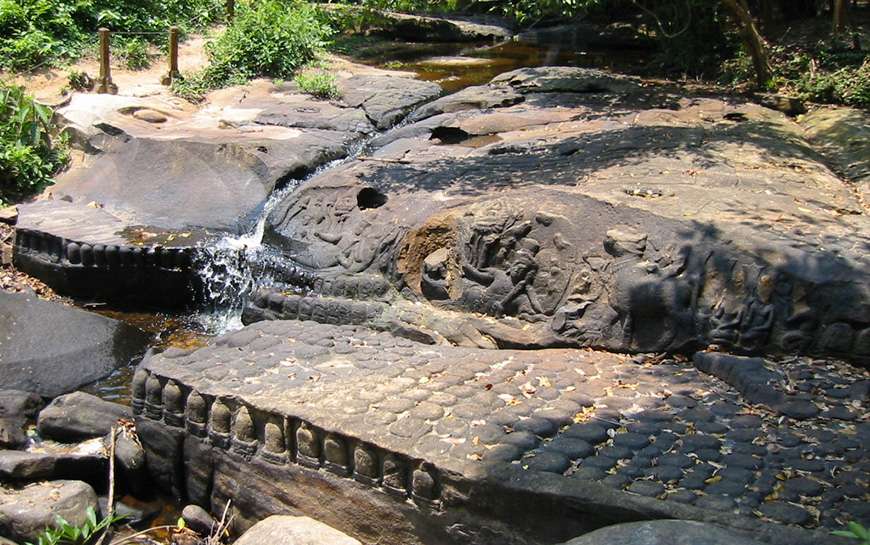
[[233, 267]]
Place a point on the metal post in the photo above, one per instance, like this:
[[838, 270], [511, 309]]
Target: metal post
[[173, 56], [231, 10], [105, 84]]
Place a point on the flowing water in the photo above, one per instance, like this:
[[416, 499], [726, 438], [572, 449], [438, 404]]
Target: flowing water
[[233, 267]]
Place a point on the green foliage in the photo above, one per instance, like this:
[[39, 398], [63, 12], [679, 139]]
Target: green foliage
[[522, 11], [65, 533], [28, 156], [38, 32], [79, 81], [693, 36], [271, 38], [830, 72], [268, 38], [318, 83], [855, 531], [134, 53]]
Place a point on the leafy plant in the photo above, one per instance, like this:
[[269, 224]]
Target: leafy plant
[[134, 53], [318, 83], [28, 154], [855, 531], [39, 32], [829, 72], [79, 80], [65, 533], [270, 38]]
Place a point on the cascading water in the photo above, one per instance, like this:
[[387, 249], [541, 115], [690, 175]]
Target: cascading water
[[233, 267]]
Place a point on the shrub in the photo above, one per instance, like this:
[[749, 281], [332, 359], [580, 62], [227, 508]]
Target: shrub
[[270, 38], [318, 83], [79, 80], [829, 72], [28, 155], [36, 32], [134, 53]]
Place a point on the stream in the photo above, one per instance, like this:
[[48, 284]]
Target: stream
[[233, 267]]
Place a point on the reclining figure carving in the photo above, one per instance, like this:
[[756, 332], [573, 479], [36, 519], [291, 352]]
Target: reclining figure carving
[[522, 268]]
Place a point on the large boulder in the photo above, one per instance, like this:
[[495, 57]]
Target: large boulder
[[564, 206], [51, 349], [26, 512], [86, 461], [663, 532], [78, 415], [126, 222], [287, 530], [420, 28]]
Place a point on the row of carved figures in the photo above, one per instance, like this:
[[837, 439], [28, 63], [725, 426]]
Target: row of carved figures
[[284, 440], [60, 250]]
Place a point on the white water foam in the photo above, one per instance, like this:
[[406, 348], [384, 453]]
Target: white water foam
[[232, 268]]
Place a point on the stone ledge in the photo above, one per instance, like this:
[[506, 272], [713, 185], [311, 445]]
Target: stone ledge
[[440, 426], [149, 274]]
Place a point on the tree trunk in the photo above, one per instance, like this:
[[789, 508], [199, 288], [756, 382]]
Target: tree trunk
[[752, 39], [839, 15]]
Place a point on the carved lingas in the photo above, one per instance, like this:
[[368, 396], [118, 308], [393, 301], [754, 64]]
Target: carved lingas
[[236, 431]]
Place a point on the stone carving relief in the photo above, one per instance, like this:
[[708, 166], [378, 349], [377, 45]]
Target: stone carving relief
[[235, 430], [628, 282]]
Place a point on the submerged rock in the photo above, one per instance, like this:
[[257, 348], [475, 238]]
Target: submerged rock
[[562, 206], [78, 415], [25, 512], [50, 349]]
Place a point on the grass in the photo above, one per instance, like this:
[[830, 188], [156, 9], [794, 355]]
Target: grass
[[318, 83]]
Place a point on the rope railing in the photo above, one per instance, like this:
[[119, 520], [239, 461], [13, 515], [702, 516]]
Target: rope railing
[[105, 84]]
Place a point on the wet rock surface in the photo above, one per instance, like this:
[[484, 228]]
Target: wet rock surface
[[122, 223], [25, 512], [427, 421], [596, 211], [50, 349]]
